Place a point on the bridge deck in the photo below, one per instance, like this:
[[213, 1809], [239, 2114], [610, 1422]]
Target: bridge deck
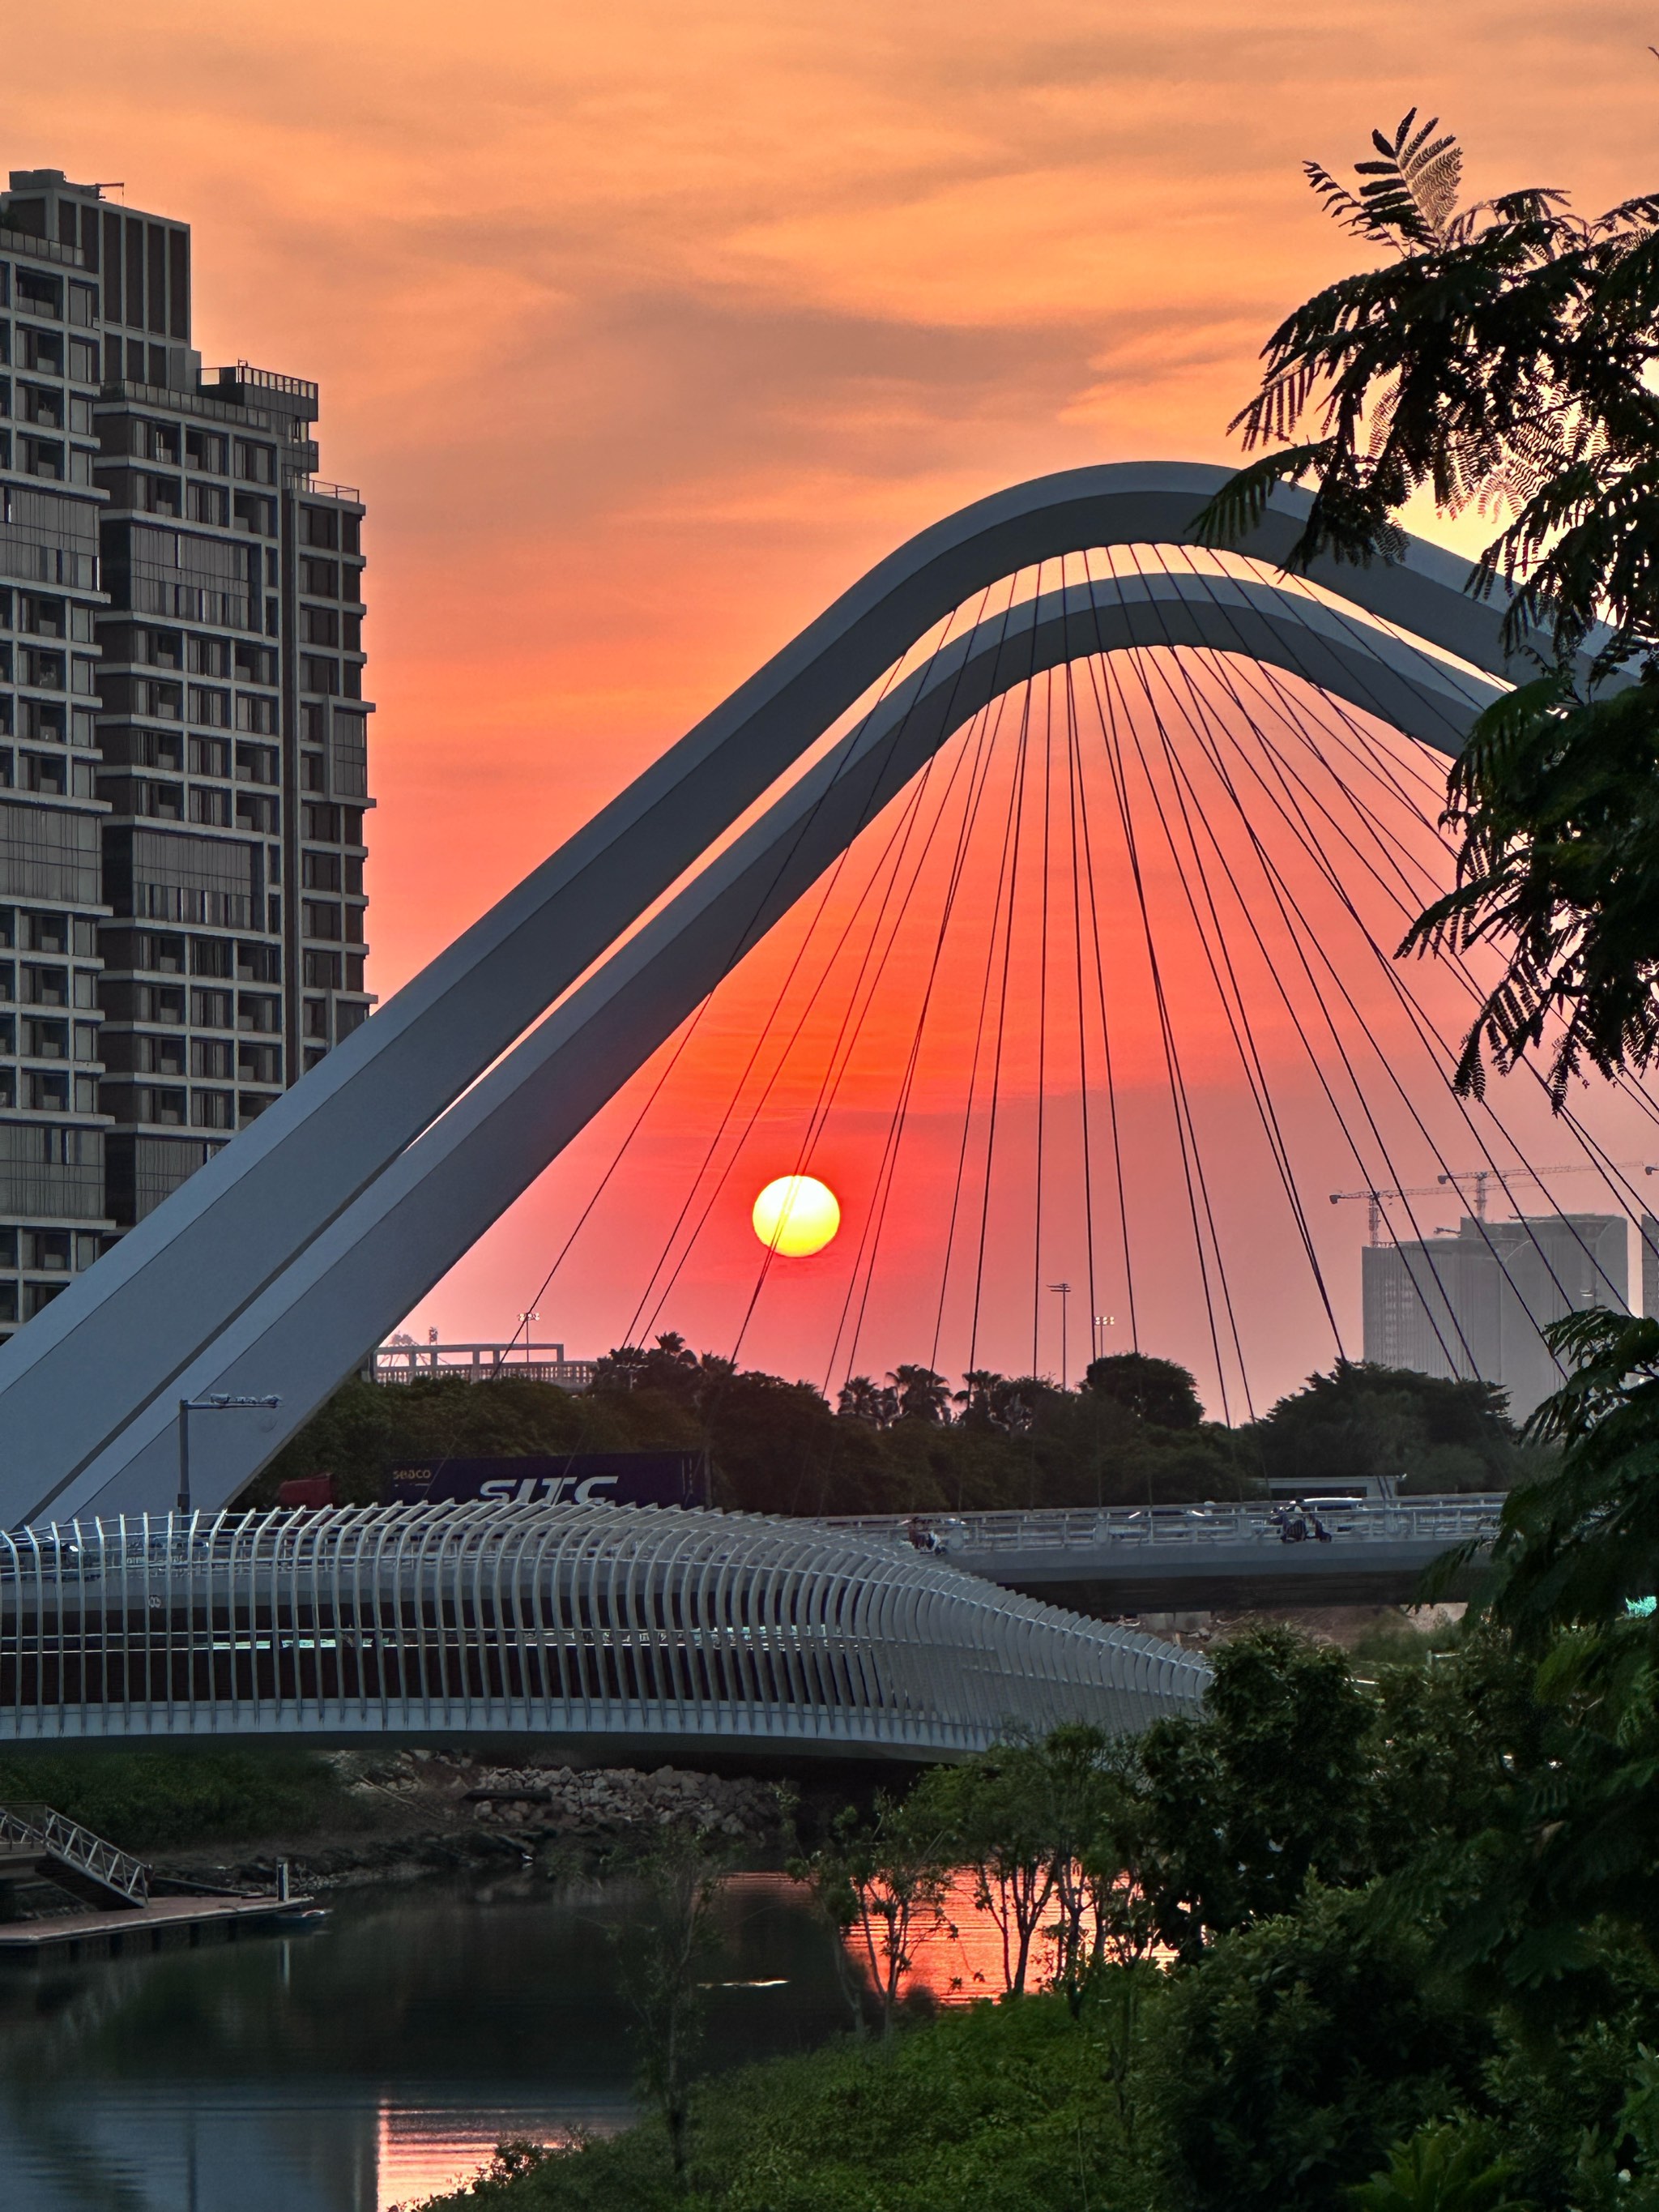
[[1167, 1557]]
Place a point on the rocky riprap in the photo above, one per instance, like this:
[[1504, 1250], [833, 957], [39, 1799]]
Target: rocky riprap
[[611, 1801], [421, 1813]]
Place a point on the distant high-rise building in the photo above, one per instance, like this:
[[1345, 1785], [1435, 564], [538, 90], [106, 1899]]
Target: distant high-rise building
[[1472, 1304], [183, 746]]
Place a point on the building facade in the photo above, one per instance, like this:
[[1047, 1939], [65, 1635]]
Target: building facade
[[183, 734], [1473, 1304]]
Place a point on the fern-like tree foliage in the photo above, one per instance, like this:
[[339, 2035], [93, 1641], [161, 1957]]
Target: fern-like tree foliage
[[1502, 357]]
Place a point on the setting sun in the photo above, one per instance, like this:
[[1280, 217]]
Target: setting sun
[[796, 1215]]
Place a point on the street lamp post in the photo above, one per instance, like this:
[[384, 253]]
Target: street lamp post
[[1063, 1292], [211, 1402]]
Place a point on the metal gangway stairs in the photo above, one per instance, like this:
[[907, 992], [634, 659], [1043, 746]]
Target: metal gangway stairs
[[36, 1842]]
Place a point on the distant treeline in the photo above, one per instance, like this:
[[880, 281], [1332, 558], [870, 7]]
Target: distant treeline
[[1133, 1432]]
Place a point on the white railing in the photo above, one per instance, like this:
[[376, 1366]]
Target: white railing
[[609, 1623], [481, 1363], [1439, 1522]]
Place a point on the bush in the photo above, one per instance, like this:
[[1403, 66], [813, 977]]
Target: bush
[[1280, 2070], [147, 1801], [999, 2108]]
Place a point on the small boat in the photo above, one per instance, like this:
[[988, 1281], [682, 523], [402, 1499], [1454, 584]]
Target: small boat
[[299, 1917]]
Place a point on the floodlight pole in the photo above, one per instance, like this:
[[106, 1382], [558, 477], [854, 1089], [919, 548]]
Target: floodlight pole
[[1063, 1292]]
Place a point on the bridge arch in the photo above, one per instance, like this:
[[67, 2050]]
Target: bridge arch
[[282, 1260]]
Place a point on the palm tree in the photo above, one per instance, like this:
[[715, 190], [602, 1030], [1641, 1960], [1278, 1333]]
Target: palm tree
[[863, 1400], [922, 1395], [977, 1399], [1503, 357]]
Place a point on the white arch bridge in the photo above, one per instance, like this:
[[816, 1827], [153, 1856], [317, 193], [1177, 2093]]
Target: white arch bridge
[[281, 1263], [619, 1631], [278, 1265]]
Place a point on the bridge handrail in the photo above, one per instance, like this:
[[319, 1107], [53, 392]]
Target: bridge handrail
[[1448, 1519], [587, 1621], [67, 1839]]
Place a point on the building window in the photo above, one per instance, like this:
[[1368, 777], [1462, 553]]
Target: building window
[[257, 1063], [166, 701], [258, 963], [205, 449], [213, 1109], [210, 756], [43, 669], [42, 456], [39, 294], [256, 464], [253, 713]]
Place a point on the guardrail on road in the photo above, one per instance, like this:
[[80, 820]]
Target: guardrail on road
[[1442, 1522]]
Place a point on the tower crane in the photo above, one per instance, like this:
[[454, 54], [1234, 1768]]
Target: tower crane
[[1481, 1178]]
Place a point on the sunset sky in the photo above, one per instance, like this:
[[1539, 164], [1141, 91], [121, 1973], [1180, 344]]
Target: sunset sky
[[645, 330]]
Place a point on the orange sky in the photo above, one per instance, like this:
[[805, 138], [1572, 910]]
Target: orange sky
[[645, 328]]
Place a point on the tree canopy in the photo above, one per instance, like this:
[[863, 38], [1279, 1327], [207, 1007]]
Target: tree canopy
[[1155, 1390], [1501, 356]]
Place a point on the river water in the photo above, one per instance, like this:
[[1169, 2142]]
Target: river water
[[370, 2063]]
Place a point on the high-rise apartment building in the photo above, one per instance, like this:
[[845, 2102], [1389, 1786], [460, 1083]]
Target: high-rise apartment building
[[1473, 1304], [183, 734]]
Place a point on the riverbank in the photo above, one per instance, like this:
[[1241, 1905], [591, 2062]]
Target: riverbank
[[347, 1818], [416, 1813]]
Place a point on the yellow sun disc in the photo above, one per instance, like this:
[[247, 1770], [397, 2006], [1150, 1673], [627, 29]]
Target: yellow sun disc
[[796, 1215]]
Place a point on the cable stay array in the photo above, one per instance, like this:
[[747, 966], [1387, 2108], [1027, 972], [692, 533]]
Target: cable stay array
[[1107, 994]]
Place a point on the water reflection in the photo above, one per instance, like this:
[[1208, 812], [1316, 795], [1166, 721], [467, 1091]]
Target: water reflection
[[364, 2066]]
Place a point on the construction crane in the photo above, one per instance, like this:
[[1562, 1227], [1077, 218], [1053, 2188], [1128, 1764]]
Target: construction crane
[[1482, 1179]]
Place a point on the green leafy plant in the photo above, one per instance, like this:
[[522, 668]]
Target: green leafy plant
[[1450, 2166], [1501, 358]]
